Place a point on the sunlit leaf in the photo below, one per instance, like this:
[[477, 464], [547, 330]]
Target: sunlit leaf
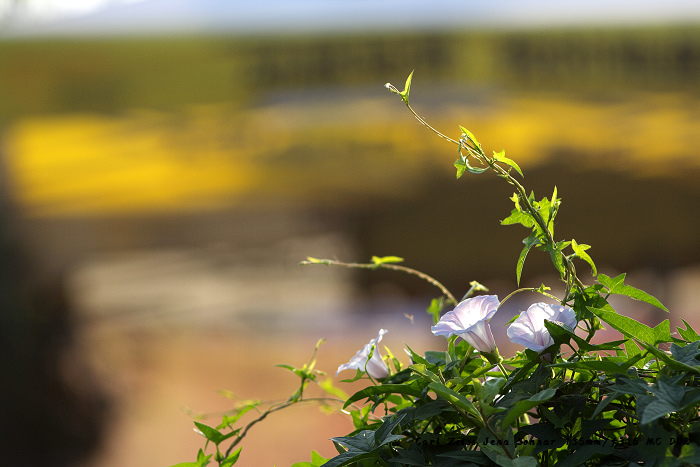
[[231, 458], [470, 136], [501, 157], [688, 333], [616, 286], [580, 251], [386, 259], [406, 89], [529, 242], [633, 328]]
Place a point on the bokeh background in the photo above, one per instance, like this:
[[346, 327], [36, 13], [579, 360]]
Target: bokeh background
[[165, 166]]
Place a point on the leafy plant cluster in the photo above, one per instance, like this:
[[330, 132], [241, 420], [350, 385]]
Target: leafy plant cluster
[[563, 400]]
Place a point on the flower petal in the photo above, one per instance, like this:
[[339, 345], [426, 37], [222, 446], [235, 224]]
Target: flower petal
[[470, 321], [529, 330], [375, 367]]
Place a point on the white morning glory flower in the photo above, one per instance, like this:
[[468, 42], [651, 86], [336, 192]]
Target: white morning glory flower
[[470, 321], [375, 367], [529, 330]]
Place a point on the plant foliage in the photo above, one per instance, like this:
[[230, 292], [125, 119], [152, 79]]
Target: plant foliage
[[626, 402]]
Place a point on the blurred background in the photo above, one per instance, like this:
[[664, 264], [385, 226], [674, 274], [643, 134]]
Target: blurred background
[[166, 164]]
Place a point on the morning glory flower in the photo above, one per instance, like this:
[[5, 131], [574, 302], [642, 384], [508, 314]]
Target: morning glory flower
[[529, 330], [470, 321], [375, 367]]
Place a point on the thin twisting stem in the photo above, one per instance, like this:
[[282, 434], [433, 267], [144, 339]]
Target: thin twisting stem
[[394, 267], [570, 277]]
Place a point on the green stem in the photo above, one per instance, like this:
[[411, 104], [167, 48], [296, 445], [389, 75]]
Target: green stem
[[394, 267], [503, 370], [570, 277], [271, 410]]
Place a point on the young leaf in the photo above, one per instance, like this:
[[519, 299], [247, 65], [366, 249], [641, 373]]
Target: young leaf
[[317, 460], [436, 306], [386, 259], [212, 434], [406, 89], [202, 461], [580, 251], [557, 258], [530, 241], [461, 166], [553, 208], [231, 459], [470, 137], [501, 157]]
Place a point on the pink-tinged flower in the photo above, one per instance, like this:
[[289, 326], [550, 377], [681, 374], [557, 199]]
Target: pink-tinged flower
[[470, 321], [375, 367], [529, 330]]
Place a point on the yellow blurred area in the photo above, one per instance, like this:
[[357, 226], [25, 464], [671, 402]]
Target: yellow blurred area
[[208, 157], [92, 164]]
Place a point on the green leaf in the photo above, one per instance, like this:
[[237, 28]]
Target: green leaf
[[667, 396], [311, 260], [611, 365], [517, 215], [616, 286], [690, 455], [523, 406], [688, 333], [412, 456], [561, 335], [422, 370], [456, 399], [530, 241], [584, 453], [317, 459], [406, 89], [580, 251], [470, 136], [557, 258], [359, 447], [202, 461], [384, 435], [669, 359], [476, 170], [461, 166], [687, 355], [365, 443], [231, 459], [468, 457], [525, 461], [329, 388], [553, 208], [435, 308], [384, 389], [501, 157], [361, 442], [633, 328], [386, 259], [212, 434]]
